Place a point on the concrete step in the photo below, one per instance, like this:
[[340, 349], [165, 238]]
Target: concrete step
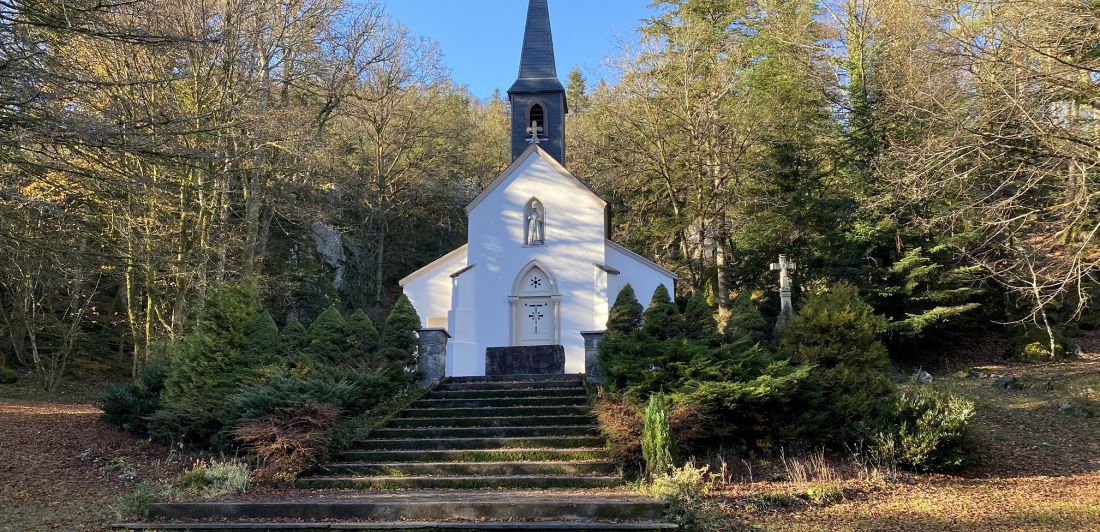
[[570, 400], [514, 421], [601, 467], [498, 394], [516, 378], [408, 526], [426, 505], [532, 442], [476, 455], [500, 411], [464, 482], [511, 385], [484, 432]]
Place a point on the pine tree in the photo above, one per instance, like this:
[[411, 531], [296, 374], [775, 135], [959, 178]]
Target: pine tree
[[626, 314], [837, 332], [576, 91], [327, 341], [662, 319], [295, 337], [262, 343], [745, 321], [362, 335], [398, 337], [699, 322]]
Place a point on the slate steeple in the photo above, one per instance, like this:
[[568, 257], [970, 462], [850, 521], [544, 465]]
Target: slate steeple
[[538, 97]]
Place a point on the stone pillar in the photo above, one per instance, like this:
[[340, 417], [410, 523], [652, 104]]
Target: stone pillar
[[432, 355], [591, 352]]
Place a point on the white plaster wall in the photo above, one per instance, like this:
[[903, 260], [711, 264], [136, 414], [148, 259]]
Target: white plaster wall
[[430, 291], [574, 233], [641, 276]]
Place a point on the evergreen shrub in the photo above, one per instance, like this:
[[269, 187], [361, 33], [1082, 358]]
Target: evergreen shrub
[[850, 391], [129, 406], [1032, 345], [658, 446], [8, 375], [930, 431]]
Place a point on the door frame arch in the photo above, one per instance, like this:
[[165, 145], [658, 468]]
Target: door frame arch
[[515, 331]]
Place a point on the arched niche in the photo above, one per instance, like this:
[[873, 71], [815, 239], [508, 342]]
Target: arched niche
[[534, 223]]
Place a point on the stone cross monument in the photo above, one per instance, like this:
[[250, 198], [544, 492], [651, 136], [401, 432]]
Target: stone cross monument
[[786, 312]]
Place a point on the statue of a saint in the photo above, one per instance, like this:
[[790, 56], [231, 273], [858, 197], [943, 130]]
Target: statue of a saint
[[534, 223]]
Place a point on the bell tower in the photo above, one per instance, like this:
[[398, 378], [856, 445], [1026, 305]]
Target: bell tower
[[538, 97]]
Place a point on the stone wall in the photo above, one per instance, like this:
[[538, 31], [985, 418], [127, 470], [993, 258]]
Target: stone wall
[[591, 352], [432, 355]]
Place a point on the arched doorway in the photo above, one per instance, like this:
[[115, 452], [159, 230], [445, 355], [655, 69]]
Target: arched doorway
[[535, 303]]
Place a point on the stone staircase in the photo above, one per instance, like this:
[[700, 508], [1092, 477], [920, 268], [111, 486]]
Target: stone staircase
[[479, 453]]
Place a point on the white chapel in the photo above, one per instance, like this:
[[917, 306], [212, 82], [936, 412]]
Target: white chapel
[[538, 269]]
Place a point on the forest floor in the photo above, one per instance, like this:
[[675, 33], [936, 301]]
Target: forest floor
[[1038, 469], [60, 468]]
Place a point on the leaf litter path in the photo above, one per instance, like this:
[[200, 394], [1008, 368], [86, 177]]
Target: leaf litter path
[[61, 469]]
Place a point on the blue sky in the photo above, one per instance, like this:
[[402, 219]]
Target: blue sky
[[481, 39]]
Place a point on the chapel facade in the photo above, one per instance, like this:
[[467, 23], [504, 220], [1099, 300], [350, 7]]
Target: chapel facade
[[538, 269]]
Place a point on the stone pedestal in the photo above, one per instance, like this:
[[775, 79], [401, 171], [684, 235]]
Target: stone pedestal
[[525, 360], [432, 355], [591, 352]]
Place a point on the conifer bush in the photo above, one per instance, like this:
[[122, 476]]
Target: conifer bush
[[625, 315], [129, 406], [745, 321], [361, 336], [699, 323], [294, 337], [658, 445], [328, 338], [7, 375], [930, 431], [262, 342], [662, 319], [837, 333]]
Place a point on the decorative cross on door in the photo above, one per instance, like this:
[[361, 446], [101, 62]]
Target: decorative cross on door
[[535, 315]]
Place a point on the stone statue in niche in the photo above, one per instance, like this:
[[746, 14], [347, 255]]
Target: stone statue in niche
[[535, 235]]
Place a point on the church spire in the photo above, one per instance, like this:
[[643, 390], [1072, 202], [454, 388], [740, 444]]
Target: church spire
[[538, 97]]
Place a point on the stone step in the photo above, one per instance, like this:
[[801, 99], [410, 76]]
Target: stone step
[[500, 411], [515, 392], [535, 442], [463, 482], [408, 526], [513, 421], [484, 432], [475, 455], [571, 400], [516, 378], [426, 505], [511, 385], [601, 467]]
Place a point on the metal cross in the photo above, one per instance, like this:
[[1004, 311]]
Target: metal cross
[[534, 131]]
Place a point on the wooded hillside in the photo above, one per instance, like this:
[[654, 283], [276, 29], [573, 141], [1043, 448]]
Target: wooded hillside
[[940, 156]]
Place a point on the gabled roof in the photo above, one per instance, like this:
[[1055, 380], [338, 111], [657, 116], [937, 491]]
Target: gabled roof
[[641, 259], [533, 151], [433, 265]]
